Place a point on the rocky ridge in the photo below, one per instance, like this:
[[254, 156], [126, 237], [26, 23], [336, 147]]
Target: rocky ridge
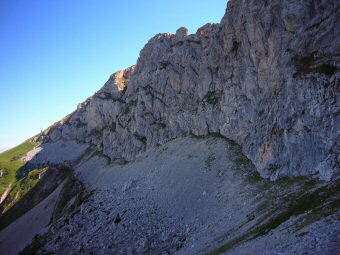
[[266, 77], [158, 151]]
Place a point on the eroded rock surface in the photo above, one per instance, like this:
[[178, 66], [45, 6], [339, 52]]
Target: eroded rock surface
[[266, 77]]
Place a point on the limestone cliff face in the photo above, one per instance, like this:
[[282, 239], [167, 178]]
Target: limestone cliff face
[[266, 77]]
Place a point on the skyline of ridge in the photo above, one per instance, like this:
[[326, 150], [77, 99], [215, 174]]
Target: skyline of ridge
[[57, 54]]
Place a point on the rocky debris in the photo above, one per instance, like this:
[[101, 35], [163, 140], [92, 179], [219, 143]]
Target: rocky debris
[[321, 237], [266, 77], [175, 203], [153, 205], [31, 154], [57, 193], [138, 231], [61, 151], [51, 178], [21, 232]]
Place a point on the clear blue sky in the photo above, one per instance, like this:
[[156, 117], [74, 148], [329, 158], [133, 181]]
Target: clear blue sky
[[56, 53]]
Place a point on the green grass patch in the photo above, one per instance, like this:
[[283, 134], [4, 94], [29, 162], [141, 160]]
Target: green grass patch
[[254, 178], [10, 163], [22, 187], [310, 200], [326, 69], [211, 97], [72, 195], [307, 64], [242, 161], [35, 187]]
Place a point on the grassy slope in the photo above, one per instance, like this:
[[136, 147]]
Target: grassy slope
[[10, 163], [23, 186], [304, 197]]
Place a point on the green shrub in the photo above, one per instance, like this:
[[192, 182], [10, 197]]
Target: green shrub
[[211, 97], [80, 124], [306, 64]]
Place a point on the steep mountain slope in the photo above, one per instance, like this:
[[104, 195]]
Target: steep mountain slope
[[195, 196], [176, 146], [55, 194], [266, 77], [13, 182]]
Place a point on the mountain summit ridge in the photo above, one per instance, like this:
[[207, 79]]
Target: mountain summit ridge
[[266, 77], [166, 157]]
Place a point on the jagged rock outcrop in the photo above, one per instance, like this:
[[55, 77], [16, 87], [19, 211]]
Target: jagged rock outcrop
[[266, 77]]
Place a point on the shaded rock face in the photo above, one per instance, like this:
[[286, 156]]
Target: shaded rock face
[[266, 77]]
